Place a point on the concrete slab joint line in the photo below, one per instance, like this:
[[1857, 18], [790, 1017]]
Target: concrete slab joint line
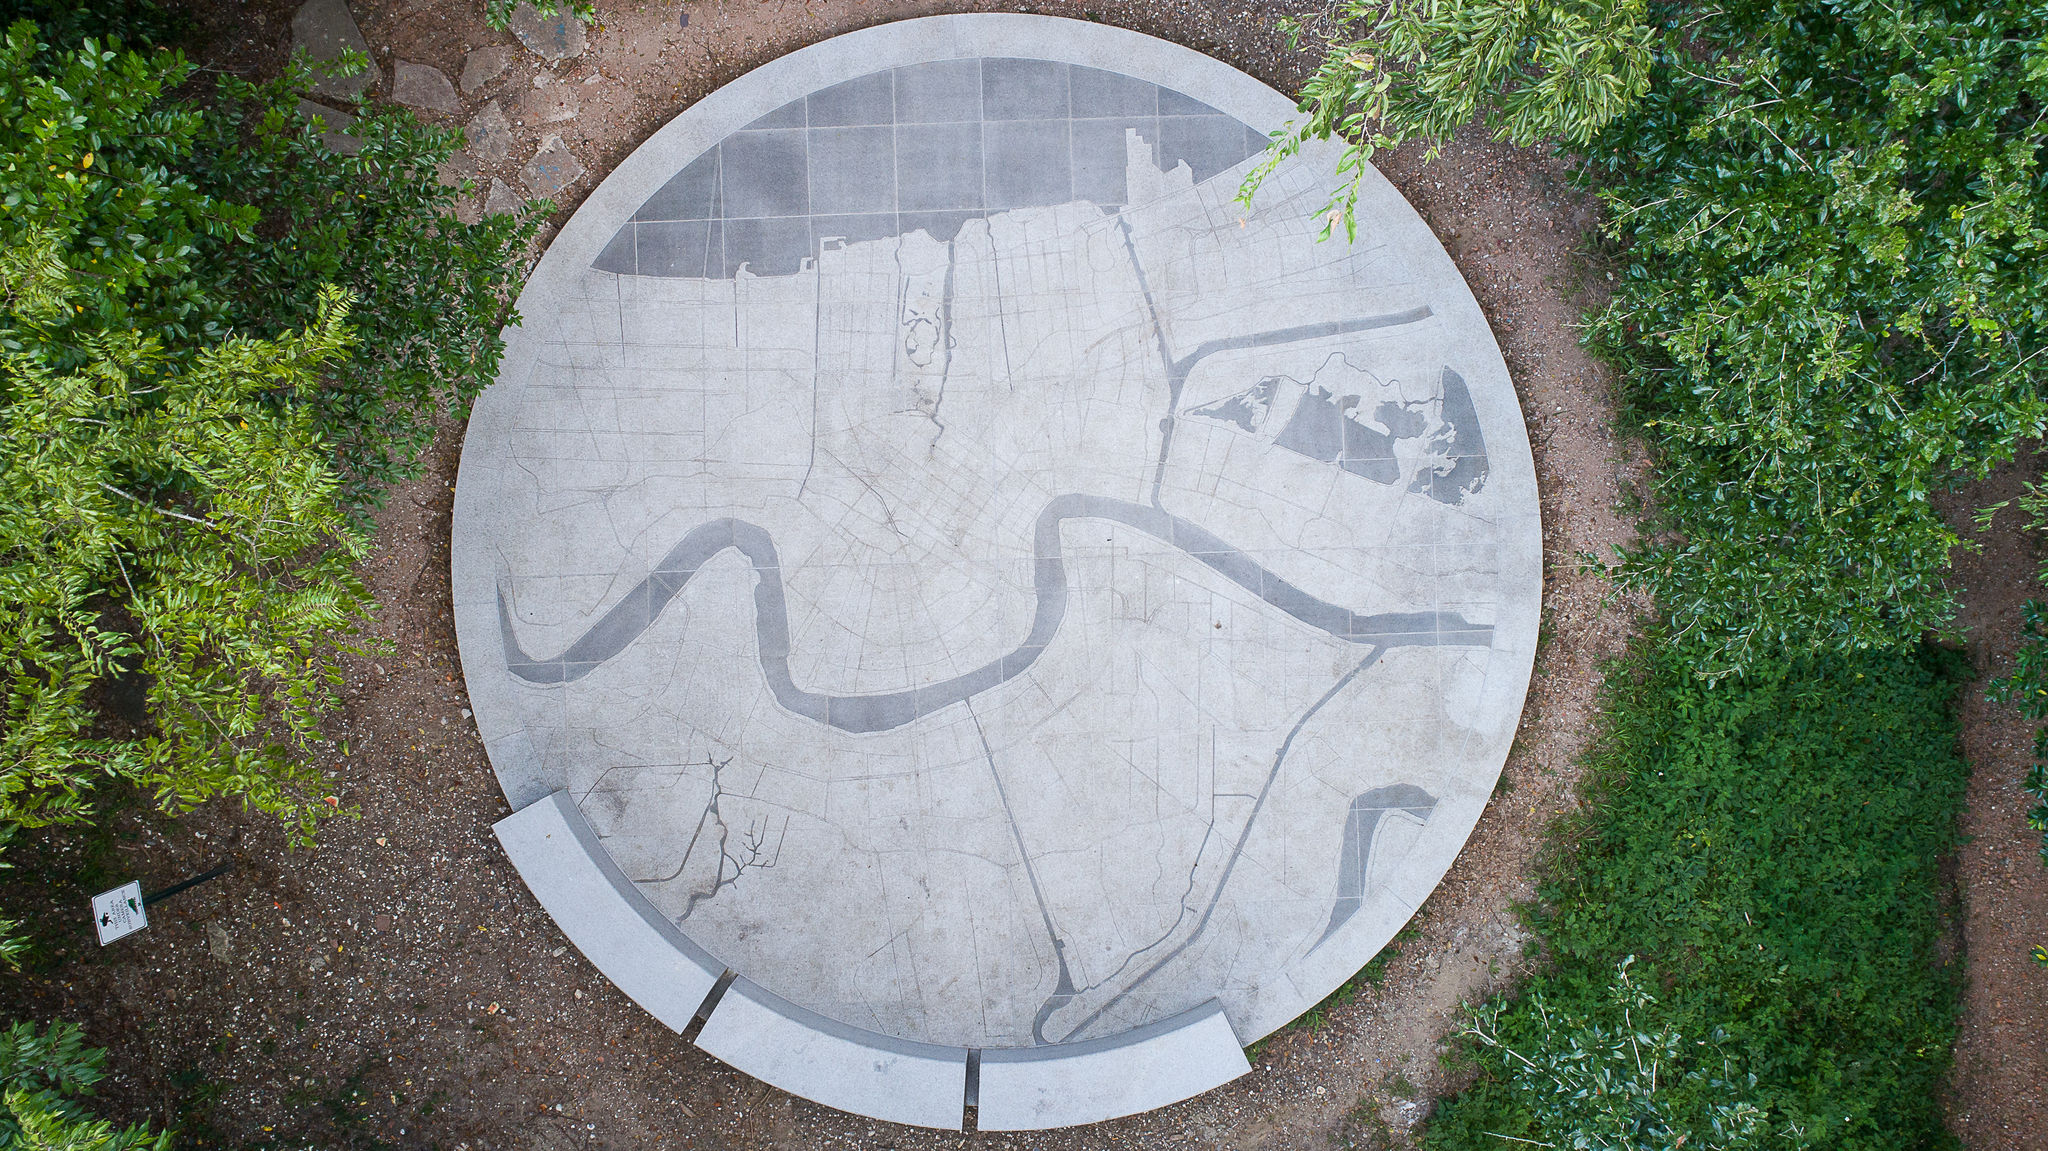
[[557, 853], [1032, 1088], [1039, 624]]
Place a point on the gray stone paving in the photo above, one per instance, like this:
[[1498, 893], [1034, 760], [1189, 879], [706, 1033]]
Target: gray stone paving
[[552, 38], [423, 86], [552, 169], [490, 133], [983, 586], [483, 65], [334, 127], [323, 29]]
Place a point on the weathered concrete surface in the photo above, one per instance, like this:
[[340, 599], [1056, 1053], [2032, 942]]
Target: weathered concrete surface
[[604, 914], [1032, 1088], [824, 1060], [925, 513]]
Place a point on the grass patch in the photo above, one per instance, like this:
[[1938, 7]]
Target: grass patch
[[1769, 850]]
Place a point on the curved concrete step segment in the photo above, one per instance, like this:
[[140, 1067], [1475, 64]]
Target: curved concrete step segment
[[603, 914], [825, 1061], [1066, 1084]]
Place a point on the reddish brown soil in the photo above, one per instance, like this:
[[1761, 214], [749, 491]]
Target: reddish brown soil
[[1999, 1099], [398, 986]]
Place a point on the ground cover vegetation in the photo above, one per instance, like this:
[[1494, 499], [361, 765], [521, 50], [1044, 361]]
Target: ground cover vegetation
[[1743, 931], [220, 341], [1825, 223]]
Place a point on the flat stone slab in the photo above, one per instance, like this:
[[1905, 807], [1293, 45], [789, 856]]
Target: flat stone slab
[[552, 38], [484, 65], [551, 104], [423, 86], [983, 584], [323, 29], [490, 133], [826, 1061], [501, 200], [1067, 1084], [565, 866], [334, 127], [552, 169]]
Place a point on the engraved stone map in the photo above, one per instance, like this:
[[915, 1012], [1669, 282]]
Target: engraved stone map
[[981, 582]]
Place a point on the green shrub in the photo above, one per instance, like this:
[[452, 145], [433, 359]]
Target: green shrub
[[192, 427], [42, 1077], [1420, 69], [1630, 1084], [1829, 220], [430, 294], [498, 13], [1769, 848]]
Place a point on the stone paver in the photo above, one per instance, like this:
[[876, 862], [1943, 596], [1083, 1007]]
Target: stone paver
[[552, 38], [423, 86], [501, 200], [334, 127], [484, 65], [823, 1060], [552, 169], [456, 169], [983, 585], [323, 29], [490, 134]]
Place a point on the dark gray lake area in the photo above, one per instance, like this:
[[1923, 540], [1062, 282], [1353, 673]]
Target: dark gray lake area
[[927, 148]]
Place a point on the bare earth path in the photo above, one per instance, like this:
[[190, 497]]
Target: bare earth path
[[398, 986], [2000, 1093]]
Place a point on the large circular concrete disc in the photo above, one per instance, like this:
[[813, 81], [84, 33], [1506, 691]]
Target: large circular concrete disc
[[982, 584]]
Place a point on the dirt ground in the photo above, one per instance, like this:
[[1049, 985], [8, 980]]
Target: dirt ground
[[401, 988], [1999, 1098]]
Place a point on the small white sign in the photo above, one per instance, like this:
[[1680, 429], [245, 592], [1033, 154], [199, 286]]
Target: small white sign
[[119, 912]]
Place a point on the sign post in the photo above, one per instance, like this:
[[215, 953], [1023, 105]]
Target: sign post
[[120, 912], [125, 910]]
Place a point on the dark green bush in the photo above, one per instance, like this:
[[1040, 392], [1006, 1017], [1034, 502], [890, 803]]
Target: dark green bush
[[1769, 849], [1829, 218], [430, 294], [43, 1077], [195, 418]]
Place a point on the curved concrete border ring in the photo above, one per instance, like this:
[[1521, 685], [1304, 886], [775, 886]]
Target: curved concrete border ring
[[965, 610]]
